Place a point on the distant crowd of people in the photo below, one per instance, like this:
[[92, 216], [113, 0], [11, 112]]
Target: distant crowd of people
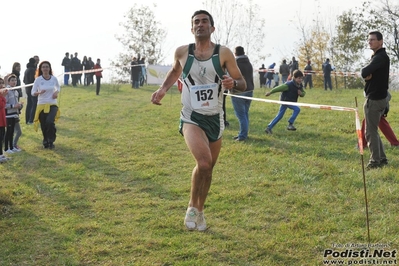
[[72, 63], [267, 75], [41, 92]]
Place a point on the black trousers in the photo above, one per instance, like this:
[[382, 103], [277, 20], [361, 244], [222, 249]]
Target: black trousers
[[75, 79], [2, 133], [98, 84], [9, 138], [47, 124]]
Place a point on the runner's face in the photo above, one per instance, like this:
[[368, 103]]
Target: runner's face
[[45, 68], [201, 26]]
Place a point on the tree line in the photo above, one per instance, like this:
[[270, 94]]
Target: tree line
[[343, 39]]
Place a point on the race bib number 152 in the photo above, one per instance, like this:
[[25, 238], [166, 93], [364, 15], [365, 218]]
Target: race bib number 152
[[204, 96]]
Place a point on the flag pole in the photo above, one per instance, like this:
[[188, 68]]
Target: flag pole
[[360, 144]]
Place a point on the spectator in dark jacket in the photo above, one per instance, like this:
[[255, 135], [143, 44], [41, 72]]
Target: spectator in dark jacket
[[308, 75], [376, 75], [135, 73], [262, 79], [143, 72], [90, 65], [241, 105], [85, 66], [284, 71], [327, 74], [75, 66], [66, 63], [29, 78], [294, 65]]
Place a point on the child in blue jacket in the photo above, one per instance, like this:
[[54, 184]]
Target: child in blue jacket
[[290, 91]]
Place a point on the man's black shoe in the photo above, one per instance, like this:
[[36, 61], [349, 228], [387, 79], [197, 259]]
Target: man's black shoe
[[384, 161], [373, 165]]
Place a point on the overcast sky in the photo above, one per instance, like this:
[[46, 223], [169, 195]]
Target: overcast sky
[[49, 29]]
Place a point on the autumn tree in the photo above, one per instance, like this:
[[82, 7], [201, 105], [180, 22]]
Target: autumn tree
[[142, 36], [384, 17], [313, 45], [392, 12], [349, 44], [342, 41], [392, 42], [387, 17]]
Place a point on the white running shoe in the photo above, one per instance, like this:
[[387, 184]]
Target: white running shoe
[[9, 151], [16, 149], [190, 221], [3, 158], [201, 223]]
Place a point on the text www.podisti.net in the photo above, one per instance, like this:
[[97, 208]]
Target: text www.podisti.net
[[360, 257]]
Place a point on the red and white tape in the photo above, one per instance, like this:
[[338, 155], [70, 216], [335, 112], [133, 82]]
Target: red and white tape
[[316, 106], [320, 73]]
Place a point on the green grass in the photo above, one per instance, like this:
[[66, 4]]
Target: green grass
[[116, 188]]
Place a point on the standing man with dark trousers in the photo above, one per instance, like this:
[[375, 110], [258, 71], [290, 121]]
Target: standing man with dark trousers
[[327, 74], [75, 66], [99, 76], [29, 78], [262, 80], [66, 63], [376, 75], [241, 105], [308, 75], [135, 73], [284, 71]]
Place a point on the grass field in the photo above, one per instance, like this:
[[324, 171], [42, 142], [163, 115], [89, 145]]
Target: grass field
[[115, 189]]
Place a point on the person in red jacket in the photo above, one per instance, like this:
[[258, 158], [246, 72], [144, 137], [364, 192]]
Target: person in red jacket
[[3, 120], [99, 75], [386, 129], [384, 126]]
